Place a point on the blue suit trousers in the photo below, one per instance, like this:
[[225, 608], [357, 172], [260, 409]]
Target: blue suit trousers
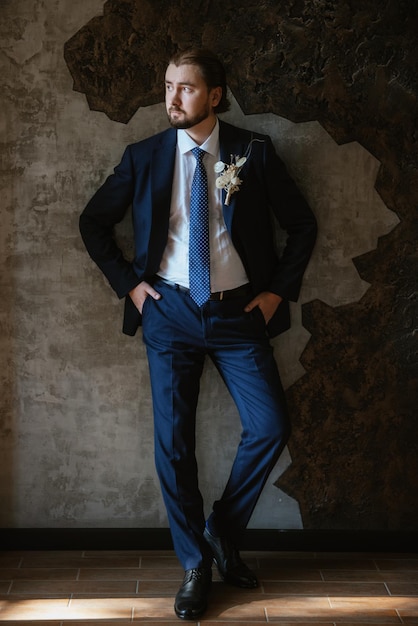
[[178, 336]]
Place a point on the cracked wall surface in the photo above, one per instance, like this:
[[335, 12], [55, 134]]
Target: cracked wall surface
[[335, 84]]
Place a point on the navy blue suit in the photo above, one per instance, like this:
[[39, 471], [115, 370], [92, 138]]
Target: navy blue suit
[[178, 334]]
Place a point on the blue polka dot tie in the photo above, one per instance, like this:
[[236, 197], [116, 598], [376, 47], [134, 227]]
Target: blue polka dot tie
[[199, 254]]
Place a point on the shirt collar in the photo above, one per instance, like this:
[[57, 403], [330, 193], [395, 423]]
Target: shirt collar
[[211, 144]]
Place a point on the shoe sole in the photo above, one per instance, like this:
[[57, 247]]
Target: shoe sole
[[190, 615]]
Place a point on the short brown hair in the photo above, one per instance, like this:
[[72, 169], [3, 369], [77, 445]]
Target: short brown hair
[[211, 68]]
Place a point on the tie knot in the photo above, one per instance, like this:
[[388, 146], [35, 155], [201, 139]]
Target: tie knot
[[199, 154]]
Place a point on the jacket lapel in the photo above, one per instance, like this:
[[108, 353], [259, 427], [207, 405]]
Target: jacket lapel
[[230, 147], [162, 170], [161, 181]]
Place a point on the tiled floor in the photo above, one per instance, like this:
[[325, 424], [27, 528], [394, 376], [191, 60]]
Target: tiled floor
[[69, 588]]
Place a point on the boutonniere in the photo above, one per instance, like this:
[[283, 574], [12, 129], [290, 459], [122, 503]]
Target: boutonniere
[[228, 178]]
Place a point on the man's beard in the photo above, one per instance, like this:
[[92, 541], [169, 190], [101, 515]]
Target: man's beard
[[188, 122]]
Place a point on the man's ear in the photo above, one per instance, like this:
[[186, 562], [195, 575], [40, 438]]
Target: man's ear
[[216, 94]]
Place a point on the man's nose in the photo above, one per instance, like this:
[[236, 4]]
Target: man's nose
[[175, 97]]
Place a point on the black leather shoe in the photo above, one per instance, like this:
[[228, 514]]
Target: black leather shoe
[[228, 561], [191, 598]]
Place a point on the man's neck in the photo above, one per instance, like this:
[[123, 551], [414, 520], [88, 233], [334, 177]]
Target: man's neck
[[201, 132]]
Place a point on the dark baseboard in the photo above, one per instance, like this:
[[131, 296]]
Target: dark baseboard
[[160, 539]]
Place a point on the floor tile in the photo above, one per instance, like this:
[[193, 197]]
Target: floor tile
[[325, 589], [35, 609], [298, 608], [159, 562], [320, 563], [99, 609], [32, 623], [50, 587], [50, 561], [154, 609], [277, 574], [132, 573], [370, 576], [383, 608], [7, 561], [43, 573], [403, 589], [396, 564]]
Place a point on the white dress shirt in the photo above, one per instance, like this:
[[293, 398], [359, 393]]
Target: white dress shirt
[[226, 268]]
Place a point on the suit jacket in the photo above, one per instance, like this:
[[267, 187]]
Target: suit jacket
[[143, 180]]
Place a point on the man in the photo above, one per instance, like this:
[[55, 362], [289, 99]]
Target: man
[[247, 292]]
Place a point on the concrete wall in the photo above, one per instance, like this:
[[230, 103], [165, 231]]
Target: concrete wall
[[76, 416]]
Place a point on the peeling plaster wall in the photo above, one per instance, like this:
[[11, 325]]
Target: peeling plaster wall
[[76, 416]]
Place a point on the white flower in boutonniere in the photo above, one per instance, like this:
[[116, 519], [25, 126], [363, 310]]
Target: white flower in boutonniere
[[228, 178]]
